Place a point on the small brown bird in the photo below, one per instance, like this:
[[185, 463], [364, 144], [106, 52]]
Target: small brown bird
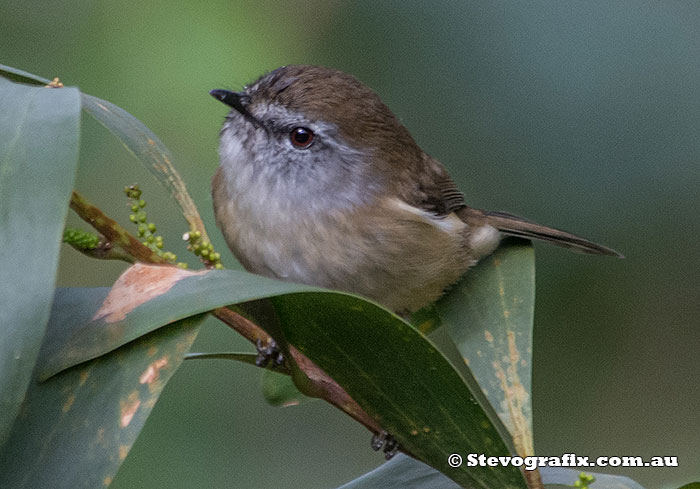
[[321, 184]]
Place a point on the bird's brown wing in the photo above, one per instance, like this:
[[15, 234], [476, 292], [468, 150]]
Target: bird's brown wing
[[436, 192]]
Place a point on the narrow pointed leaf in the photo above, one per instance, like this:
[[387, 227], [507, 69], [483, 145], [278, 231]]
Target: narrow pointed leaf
[[249, 358], [148, 149], [39, 132], [279, 390], [138, 140], [489, 315], [277, 385], [22, 76], [75, 429]]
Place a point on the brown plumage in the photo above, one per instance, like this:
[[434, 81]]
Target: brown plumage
[[320, 183]]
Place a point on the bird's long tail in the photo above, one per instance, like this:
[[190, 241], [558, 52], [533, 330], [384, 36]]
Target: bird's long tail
[[517, 226]]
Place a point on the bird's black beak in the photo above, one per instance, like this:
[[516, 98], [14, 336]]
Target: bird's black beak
[[232, 99]]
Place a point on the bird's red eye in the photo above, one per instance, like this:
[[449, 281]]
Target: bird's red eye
[[301, 137]]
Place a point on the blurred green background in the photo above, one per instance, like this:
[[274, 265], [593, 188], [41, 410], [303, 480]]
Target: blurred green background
[[581, 115]]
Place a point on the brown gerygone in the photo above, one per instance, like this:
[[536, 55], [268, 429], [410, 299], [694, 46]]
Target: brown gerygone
[[321, 184]]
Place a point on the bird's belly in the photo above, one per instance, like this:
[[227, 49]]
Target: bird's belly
[[403, 264]]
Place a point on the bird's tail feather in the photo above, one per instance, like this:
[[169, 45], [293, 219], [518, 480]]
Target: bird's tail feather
[[517, 226]]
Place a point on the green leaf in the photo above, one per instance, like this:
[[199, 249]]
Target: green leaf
[[563, 476], [141, 142], [402, 472], [394, 373], [692, 485], [22, 76], [249, 358], [406, 473], [279, 390], [277, 385], [76, 429], [489, 315], [400, 379], [39, 131], [136, 138], [145, 298]]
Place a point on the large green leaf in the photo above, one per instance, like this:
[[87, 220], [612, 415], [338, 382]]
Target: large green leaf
[[75, 429], [394, 373], [140, 141], [489, 315], [406, 473], [39, 131]]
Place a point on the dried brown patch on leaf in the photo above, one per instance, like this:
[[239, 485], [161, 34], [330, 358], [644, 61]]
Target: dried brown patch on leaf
[[128, 408], [515, 400], [137, 285], [69, 403], [152, 373], [123, 451]]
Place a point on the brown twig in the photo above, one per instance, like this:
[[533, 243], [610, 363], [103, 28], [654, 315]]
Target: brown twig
[[533, 479], [320, 384], [330, 391], [104, 251], [114, 233], [243, 326]]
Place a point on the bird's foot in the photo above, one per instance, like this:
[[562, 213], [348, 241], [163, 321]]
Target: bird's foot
[[270, 353], [386, 442]]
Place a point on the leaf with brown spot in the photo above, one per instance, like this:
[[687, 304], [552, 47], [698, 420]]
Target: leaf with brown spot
[[489, 315], [396, 375], [143, 299], [77, 428], [137, 285]]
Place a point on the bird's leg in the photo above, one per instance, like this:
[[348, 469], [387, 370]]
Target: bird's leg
[[388, 442], [270, 353]]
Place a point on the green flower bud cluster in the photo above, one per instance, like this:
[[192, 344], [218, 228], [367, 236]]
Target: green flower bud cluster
[[82, 240], [584, 480], [146, 230], [203, 249]]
